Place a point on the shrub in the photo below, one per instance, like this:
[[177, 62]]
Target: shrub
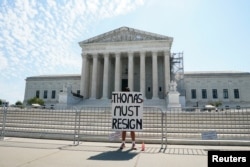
[[35, 100]]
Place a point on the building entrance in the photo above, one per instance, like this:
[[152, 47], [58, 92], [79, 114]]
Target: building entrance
[[124, 84]]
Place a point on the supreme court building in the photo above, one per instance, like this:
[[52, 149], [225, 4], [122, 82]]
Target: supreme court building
[[127, 57]]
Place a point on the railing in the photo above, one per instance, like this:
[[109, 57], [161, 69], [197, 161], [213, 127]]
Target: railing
[[214, 125], [39, 123], [3, 122], [94, 124], [180, 125]]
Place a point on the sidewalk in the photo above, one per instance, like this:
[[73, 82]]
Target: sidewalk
[[21, 152]]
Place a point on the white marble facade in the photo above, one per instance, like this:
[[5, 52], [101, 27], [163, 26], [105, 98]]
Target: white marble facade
[[232, 89], [125, 57], [48, 87], [140, 60]]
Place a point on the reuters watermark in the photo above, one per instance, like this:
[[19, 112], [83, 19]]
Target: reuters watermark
[[228, 158]]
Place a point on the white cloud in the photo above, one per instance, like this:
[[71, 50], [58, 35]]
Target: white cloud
[[3, 62], [37, 36]]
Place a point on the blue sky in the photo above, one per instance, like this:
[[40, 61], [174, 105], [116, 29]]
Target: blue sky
[[39, 37]]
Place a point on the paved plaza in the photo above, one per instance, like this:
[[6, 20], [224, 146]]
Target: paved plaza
[[21, 152]]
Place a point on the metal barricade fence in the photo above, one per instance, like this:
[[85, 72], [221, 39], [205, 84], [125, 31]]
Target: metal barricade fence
[[95, 125], [207, 124], [3, 113], [40, 123]]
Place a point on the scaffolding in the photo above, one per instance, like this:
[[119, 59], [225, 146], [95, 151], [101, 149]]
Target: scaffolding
[[177, 71]]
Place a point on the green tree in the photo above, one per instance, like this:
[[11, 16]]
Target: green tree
[[18, 103], [1, 102], [216, 103], [35, 100]]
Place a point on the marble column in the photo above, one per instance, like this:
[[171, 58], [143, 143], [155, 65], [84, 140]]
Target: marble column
[[83, 76], [131, 71], [117, 72], [155, 75], [105, 76], [167, 70], [94, 77], [142, 74]]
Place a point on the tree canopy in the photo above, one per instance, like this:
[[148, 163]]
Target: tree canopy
[[35, 100], [216, 103], [18, 103]]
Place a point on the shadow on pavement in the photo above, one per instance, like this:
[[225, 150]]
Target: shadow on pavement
[[117, 155]]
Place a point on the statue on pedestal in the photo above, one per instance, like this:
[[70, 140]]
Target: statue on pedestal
[[64, 88], [172, 86], [173, 96], [65, 94], [67, 88]]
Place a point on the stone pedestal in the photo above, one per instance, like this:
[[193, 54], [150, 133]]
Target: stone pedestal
[[66, 97], [173, 100], [63, 98]]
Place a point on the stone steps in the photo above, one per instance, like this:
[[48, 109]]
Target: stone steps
[[161, 103], [94, 124]]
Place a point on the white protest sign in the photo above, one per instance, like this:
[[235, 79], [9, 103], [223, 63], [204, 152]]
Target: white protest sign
[[115, 136], [127, 111]]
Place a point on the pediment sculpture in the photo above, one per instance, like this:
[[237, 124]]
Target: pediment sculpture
[[125, 34]]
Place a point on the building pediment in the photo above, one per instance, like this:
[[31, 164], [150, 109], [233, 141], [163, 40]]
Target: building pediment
[[125, 34]]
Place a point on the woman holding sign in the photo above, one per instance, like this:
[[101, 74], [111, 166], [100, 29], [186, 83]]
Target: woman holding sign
[[132, 133]]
